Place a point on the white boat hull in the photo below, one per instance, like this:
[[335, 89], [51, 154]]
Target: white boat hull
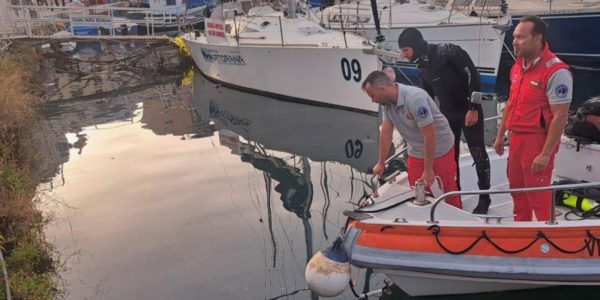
[[304, 73], [481, 38], [426, 284], [482, 42], [453, 251]]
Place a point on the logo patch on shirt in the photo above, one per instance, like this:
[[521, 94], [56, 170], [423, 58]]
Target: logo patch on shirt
[[422, 112], [561, 91], [535, 83]]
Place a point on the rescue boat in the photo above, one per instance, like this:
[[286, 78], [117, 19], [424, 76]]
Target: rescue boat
[[427, 247]]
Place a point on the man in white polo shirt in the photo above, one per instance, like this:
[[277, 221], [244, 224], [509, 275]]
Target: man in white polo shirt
[[418, 120]]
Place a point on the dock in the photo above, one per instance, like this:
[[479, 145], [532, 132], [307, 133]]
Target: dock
[[22, 19]]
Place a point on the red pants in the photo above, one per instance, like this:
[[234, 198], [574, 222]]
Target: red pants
[[524, 147], [444, 167]]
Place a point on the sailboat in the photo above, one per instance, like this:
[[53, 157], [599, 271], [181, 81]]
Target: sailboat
[[281, 54], [482, 38], [573, 25]]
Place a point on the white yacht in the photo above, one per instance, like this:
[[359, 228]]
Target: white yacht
[[264, 51], [481, 37]]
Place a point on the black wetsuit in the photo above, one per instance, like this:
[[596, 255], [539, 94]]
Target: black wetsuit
[[447, 72]]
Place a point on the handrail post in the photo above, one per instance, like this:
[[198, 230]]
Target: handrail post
[[552, 220]]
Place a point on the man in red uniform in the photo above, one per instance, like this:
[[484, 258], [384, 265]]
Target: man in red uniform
[[540, 94]]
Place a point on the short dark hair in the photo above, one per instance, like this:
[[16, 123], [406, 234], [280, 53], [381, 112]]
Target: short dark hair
[[539, 26], [376, 78]]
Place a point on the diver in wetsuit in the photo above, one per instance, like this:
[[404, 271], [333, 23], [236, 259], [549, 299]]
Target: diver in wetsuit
[[448, 74]]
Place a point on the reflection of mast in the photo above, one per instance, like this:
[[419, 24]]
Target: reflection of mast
[[294, 186], [307, 227], [325, 188], [268, 182], [306, 214]]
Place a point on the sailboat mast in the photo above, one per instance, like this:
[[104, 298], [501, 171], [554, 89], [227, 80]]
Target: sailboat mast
[[379, 38]]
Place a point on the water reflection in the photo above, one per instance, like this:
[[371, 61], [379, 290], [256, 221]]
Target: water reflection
[[319, 133], [165, 193]]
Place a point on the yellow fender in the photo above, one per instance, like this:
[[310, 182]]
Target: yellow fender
[[178, 41]]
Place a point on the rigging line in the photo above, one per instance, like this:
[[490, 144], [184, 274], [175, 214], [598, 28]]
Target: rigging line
[[229, 181]]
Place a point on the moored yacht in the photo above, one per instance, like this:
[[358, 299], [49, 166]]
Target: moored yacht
[[482, 38], [261, 50]]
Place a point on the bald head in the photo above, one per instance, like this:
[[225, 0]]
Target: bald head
[[380, 88], [377, 79]]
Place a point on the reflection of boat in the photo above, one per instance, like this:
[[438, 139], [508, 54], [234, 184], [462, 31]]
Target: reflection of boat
[[319, 133], [266, 52], [429, 247], [482, 38]]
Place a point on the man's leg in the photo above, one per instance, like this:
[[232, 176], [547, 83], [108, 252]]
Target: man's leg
[[456, 121], [475, 140], [538, 201], [515, 169], [445, 167], [415, 168]]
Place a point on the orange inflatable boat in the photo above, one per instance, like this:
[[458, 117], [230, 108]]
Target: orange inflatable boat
[[427, 247]]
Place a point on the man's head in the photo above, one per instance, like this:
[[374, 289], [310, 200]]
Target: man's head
[[529, 37], [380, 88], [411, 44]]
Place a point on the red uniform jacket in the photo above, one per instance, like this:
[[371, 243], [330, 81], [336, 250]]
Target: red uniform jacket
[[528, 109]]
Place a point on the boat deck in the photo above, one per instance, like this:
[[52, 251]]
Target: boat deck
[[502, 205]]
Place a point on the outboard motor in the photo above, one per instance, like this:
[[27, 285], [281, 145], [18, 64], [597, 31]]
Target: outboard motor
[[328, 271]]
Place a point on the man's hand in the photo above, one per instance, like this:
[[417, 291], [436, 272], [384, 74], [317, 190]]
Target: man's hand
[[378, 169], [540, 163], [391, 74], [471, 118], [427, 178], [499, 145]]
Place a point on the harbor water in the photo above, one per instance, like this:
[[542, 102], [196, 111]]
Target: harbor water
[[186, 189]]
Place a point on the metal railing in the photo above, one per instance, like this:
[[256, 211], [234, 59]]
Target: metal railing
[[552, 188], [33, 18]]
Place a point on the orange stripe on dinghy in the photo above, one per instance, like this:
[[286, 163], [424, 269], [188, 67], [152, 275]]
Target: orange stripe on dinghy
[[421, 239]]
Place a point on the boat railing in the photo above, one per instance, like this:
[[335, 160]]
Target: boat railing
[[553, 188], [32, 18]]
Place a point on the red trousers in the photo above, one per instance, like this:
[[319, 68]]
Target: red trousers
[[444, 167], [524, 147]]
